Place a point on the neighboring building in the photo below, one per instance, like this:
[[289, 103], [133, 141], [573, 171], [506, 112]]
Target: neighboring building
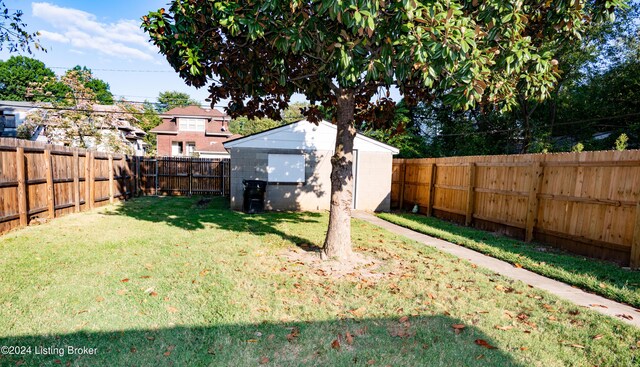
[[118, 134], [295, 160], [193, 131], [12, 114]]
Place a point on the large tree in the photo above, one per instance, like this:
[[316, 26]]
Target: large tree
[[342, 53], [16, 74], [100, 88], [172, 98]]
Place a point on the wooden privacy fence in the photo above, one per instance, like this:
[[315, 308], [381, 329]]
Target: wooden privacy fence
[[587, 203], [47, 181], [184, 176]]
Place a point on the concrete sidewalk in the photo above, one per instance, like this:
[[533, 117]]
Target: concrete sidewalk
[[560, 289]]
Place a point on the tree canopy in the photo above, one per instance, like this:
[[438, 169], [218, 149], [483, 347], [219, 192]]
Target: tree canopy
[[17, 72], [344, 54], [172, 98], [99, 87]]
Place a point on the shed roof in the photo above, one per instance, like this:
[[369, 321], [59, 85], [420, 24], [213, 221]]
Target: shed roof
[[305, 135]]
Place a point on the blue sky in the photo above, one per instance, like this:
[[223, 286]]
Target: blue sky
[[106, 37]]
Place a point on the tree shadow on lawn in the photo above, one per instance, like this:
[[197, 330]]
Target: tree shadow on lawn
[[419, 341], [198, 213]]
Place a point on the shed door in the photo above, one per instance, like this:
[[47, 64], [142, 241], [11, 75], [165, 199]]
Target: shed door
[[354, 202]]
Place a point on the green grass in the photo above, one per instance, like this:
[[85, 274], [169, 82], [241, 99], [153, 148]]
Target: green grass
[[603, 278], [168, 281]]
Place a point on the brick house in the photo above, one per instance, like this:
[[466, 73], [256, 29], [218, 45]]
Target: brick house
[[193, 131]]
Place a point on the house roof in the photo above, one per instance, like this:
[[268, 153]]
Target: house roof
[[216, 144], [302, 135], [214, 126]]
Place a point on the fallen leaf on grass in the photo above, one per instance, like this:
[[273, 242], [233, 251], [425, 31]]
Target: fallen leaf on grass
[[577, 346], [295, 332], [99, 299], [358, 312], [335, 344], [264, 360], [371, 362], [172, 309], [252, 340], [517, 265], [625, 316], [169, 350], [145, 277], [121, 292], [153, 294], [504, 328], [596, 337], [457, 328], [124, 280], [484, 343], [597, 305], [349, 338], [133, 350], [403, 319]]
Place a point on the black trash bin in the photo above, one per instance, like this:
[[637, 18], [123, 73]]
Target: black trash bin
[[254, 196]]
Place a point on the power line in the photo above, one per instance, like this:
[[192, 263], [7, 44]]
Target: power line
[[82, 110], [115, 70]]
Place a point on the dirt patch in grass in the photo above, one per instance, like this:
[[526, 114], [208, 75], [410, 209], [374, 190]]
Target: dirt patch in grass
[[360, 266]]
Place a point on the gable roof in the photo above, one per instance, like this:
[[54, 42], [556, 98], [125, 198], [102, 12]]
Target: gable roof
[[302, 135], [193, 111], [214, 126]]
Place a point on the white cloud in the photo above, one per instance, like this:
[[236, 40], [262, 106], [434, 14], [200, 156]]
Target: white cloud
[[123, 39], [53, 36]]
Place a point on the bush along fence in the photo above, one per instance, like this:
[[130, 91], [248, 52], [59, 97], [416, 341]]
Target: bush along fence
[[41, 182], [587, 203]]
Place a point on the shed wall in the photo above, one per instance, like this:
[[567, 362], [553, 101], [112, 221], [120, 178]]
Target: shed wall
[[373, 181]]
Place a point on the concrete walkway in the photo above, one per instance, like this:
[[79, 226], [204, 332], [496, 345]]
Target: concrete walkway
[[575, 295]]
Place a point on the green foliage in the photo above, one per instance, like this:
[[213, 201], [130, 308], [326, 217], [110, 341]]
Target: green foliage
[[171, 99], [466, 53], [245, 126], [99, 87], [622, 142], [578, 147], [13, 33], [18, 72], [403, 134]]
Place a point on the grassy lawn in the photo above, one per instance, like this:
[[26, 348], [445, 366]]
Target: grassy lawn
[[174, 282], [603, 278]]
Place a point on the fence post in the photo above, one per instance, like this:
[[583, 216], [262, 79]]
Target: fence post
[[224, 178], [537, 173], [432, 189], [403, 178], [76, 180], [634, 261], [111, 179], [92, 179], [51, 207], [470, 194], [190, 173], [22, 186]]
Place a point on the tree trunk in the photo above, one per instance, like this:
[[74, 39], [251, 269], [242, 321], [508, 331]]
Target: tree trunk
[[337, 243]]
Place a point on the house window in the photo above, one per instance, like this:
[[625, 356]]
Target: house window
[[187, 124], [9, 121], [176, 148], [286, 168], [191, 149]]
